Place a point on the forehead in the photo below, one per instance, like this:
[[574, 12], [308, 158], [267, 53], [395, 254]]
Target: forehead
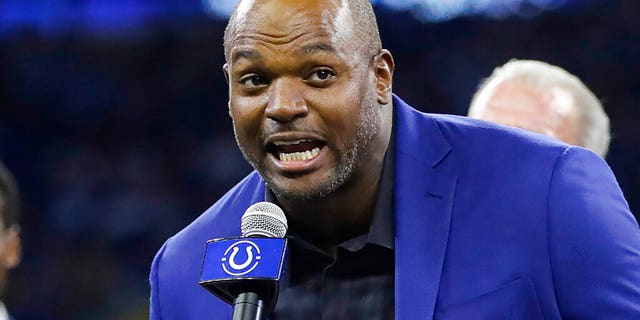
[[538, 110], [515, 94], [282, 22]]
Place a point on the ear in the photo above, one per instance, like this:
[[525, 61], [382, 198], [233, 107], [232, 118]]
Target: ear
[[383, 67], [225, 70], [12, 252]]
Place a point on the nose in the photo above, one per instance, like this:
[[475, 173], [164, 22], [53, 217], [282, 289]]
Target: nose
[[286, 101]]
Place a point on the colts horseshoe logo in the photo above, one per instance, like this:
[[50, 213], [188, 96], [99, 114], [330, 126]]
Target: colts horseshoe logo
[[248, 261]]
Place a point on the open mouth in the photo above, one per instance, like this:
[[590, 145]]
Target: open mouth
[[295, 150]]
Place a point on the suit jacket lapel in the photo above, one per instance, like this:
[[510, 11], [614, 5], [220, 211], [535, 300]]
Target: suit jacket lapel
[[424, 191]]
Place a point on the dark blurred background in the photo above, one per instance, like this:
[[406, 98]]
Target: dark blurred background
[[113, 117]]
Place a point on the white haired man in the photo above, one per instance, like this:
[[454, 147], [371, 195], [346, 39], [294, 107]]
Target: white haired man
[[543, 98]]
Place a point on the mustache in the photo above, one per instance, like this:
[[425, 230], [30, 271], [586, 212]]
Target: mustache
[[272, 127]]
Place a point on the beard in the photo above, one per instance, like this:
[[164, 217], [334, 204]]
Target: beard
[[348, 159]]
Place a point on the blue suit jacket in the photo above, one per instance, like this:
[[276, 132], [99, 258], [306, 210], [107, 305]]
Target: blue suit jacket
[[491, 223]]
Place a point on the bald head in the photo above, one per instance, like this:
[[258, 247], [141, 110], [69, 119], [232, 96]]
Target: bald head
[[543, 98], [356, 15]]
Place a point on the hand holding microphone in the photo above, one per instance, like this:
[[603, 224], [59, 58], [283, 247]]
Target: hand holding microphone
[[245, 271]]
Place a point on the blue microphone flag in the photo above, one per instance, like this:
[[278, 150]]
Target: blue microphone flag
[[232, 265]]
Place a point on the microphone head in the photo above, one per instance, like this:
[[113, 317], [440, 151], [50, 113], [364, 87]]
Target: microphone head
[[264, 219]]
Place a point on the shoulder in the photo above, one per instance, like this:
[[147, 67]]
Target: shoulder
[[598, 202], [457, 127], [470, 141], [473, 132], [594, 240]]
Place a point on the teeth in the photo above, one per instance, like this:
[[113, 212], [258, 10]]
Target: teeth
[[299, 156], [288, 143]]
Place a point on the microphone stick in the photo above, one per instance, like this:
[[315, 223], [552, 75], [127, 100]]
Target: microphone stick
[[248, 306], [263, 219]]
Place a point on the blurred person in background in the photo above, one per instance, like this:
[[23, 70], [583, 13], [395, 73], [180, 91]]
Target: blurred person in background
[[543, 98], [10, 244]]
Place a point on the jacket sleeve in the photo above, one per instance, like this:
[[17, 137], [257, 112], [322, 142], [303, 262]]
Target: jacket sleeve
[[594, 241], [154, 303]]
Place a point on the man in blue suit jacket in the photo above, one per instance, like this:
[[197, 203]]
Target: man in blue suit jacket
[[489, 222]]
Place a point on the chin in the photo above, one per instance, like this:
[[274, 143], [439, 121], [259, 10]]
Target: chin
[[316, 185], [302, 191]]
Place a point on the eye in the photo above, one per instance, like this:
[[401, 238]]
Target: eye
[[321, 78], [253, 80], [321, 75]]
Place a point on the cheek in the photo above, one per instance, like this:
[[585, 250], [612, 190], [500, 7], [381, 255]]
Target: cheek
[[352, 102], [340, 120], [246, 121], [340, 108]]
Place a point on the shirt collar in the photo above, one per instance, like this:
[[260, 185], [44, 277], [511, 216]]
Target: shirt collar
[[382, 229]]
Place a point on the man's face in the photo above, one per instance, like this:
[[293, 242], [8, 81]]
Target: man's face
[[551, 112], [302, 96]]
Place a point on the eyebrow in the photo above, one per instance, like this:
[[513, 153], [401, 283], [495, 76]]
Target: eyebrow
[[246, 54], [316, 48], [250, 54]]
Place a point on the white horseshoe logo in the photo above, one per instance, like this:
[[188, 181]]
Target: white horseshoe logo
[[229, 263], [232, 258]]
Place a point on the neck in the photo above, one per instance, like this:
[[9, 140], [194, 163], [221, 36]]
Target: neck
[[337, 218]]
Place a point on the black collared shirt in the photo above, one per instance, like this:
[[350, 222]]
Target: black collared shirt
[[359, 282]]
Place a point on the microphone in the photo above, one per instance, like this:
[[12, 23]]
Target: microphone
[[244, 271], [264, 219]]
